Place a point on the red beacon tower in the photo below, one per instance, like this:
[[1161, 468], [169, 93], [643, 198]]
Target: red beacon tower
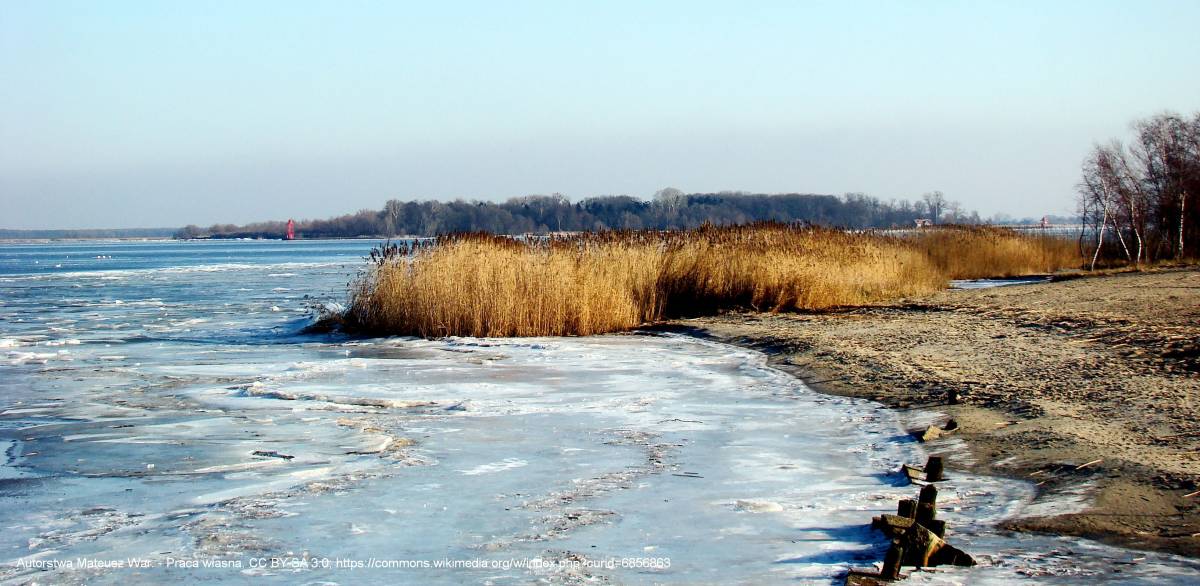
[[291, 232]]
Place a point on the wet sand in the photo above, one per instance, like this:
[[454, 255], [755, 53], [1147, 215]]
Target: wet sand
[[1086, 386]]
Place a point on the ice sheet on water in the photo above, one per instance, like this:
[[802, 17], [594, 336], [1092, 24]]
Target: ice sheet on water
[[989, 283], [121, 274], [217, 430], [32, 358], [595, 446]]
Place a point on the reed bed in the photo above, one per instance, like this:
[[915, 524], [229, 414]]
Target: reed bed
[[972, 252], [494, 286]]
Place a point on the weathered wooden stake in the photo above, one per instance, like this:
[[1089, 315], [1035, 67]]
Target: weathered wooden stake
[[927, 504], [907, 508], [891, 561], [925, 514], [937, 527], [928, 494], [919, 544], [933, 469]]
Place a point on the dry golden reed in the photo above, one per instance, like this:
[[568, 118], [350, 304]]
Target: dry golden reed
[[493, 286], [975, 252]]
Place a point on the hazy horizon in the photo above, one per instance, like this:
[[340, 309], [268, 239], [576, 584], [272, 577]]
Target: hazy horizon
[[124, 115]]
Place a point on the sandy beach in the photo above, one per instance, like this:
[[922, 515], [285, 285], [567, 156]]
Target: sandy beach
[[1085, 386]]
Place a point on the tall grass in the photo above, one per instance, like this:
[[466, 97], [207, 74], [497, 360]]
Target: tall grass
[[482, 285], [973, 252]]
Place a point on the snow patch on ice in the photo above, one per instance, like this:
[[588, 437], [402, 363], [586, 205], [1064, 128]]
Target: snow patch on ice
[[494, 467]]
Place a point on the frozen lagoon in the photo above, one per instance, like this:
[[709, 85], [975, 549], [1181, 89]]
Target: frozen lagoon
[[132, 429]]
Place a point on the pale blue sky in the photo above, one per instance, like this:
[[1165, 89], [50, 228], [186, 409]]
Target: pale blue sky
[[122, 114]]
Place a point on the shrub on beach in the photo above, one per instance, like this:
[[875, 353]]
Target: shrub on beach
[[591, 283]]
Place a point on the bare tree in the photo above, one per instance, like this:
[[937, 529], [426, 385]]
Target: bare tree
[[1145, 191], [935, 201], [955, 211], [670, 198], [1164, 149], [391, 216], [1095, 198], [1131, 197], [1110, 169]]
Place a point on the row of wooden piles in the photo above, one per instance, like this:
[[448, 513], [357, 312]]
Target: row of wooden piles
[[918, 537]]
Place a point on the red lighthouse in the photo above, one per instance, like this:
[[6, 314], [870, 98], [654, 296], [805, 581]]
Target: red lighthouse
[[291, 233]]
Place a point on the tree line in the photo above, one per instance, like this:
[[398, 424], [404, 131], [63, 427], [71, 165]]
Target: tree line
[[1138, 198], [86, 233], [669, 209]]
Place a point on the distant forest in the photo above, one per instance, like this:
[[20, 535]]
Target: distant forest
[[87, 233], [669, 209]]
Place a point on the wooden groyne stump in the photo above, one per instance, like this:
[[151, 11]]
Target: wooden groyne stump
[[934, 432], [927, 504], [891, 561], [934, 469], [918, 537]]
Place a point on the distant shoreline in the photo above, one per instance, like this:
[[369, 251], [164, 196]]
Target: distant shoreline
[[22, 240], [46, 234], [81, 239]]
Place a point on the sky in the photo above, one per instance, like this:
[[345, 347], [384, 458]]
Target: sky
[[160, 114]]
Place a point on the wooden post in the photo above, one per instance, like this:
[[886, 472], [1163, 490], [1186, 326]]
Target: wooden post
[[919, 545], [937, 527], [927, 504], [925, 514], [907, 508], [933, 469], [928, 494], [891, 561]]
